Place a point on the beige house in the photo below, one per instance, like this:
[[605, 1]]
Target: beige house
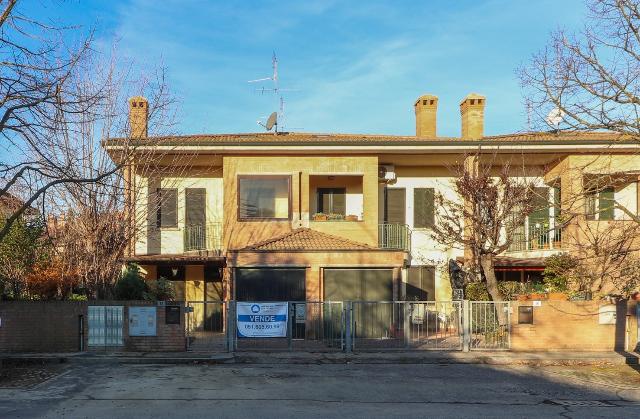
[[322, 217]]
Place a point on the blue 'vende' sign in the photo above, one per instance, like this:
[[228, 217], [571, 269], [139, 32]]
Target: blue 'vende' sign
[[262, 320]]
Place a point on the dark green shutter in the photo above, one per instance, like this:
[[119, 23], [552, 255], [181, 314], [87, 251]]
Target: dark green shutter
[[606, 204], [195, 205], [423, 208], [540, 210], [395, 206], [167, 215], [421, 283]]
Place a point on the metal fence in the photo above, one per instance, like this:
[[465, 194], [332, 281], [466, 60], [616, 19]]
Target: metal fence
[[407, 325], [489, 325], [205, 325], [321, 326], [316, 326]]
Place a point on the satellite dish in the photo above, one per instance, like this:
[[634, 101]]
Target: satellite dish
[[273, 120], [555, 117]]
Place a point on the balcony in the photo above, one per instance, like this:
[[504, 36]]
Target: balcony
[[536, 237], [394, 236], [203, 237]]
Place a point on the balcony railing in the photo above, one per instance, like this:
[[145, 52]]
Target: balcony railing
[[203, 237], [536, 238], [394, 236]]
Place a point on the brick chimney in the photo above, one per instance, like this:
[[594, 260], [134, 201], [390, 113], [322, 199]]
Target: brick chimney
[[472, 114], [426, 108], [138, 115]]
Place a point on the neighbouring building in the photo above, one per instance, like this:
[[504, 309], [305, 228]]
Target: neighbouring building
[[331, 217]]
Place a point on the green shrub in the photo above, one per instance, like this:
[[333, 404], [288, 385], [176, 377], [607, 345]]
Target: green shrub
[[477, 291], [131, 285], [160, 290], [557, 272], [77, 297]]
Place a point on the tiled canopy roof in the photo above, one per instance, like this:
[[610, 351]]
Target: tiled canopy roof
[[307, 240]]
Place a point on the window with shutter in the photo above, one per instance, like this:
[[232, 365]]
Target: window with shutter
[[167, 208], [332, 201], [395, 206], [195, 206], [423, 208]]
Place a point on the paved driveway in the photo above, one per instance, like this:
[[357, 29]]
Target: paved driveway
[[107, 391]]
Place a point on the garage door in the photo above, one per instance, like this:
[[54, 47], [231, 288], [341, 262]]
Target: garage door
[[267, 284], [358, 284], [370, 320]]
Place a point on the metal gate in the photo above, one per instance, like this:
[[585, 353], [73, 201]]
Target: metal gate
[[205, 325], [316, 326], [489, 325], [105, 325], [404, 325]]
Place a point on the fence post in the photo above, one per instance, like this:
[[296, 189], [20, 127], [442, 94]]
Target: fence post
[[231, 326], [289, 326], [466, 325], [406, 323], [348, 347]]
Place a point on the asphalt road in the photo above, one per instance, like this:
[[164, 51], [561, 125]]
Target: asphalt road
[[310, 391]]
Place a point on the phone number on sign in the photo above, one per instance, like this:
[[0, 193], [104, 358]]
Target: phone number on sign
[[262, 326]]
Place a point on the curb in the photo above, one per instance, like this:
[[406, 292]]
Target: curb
[[318, 358]]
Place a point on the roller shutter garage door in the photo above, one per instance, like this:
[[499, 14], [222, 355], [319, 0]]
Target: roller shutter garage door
[[270, 284], [370, 320], [358, 284]]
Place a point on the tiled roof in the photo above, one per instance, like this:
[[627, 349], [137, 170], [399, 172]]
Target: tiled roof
[[306, 239], [292, 138]]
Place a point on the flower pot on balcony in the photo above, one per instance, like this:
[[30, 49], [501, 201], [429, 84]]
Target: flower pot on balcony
[[558, 296], [522, 297], [537, 296], [319, 217], [351, 218]]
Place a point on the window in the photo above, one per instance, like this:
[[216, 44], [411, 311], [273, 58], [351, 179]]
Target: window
[[167, 208], [264, 197], [599, 205], [423, 208], [332, 201]]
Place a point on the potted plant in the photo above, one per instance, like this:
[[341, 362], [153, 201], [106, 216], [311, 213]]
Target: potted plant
[[538, 292], [319, 217], [351, 217], [335, 217]]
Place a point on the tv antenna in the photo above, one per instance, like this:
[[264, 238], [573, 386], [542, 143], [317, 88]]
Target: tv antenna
[[554, 118], [276, 118]]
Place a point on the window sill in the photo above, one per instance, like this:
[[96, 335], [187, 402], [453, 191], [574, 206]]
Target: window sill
[[337, 221]]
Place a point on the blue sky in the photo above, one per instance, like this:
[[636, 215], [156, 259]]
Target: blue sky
[[358, 65]]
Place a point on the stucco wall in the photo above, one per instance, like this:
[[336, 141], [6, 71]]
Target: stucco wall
[[150, 239]]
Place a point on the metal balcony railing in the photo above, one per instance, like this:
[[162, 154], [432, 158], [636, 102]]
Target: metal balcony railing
[[203, 237], [394, 236], [536, 238]]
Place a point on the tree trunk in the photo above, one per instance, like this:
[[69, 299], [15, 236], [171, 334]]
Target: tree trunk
[[486, 262]]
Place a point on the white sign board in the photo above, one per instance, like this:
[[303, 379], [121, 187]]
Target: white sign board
[[607, 314], [262, 320], [142, 321]]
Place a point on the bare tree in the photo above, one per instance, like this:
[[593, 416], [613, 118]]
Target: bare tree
[[491, 202], [592, 77], [44, 98]]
